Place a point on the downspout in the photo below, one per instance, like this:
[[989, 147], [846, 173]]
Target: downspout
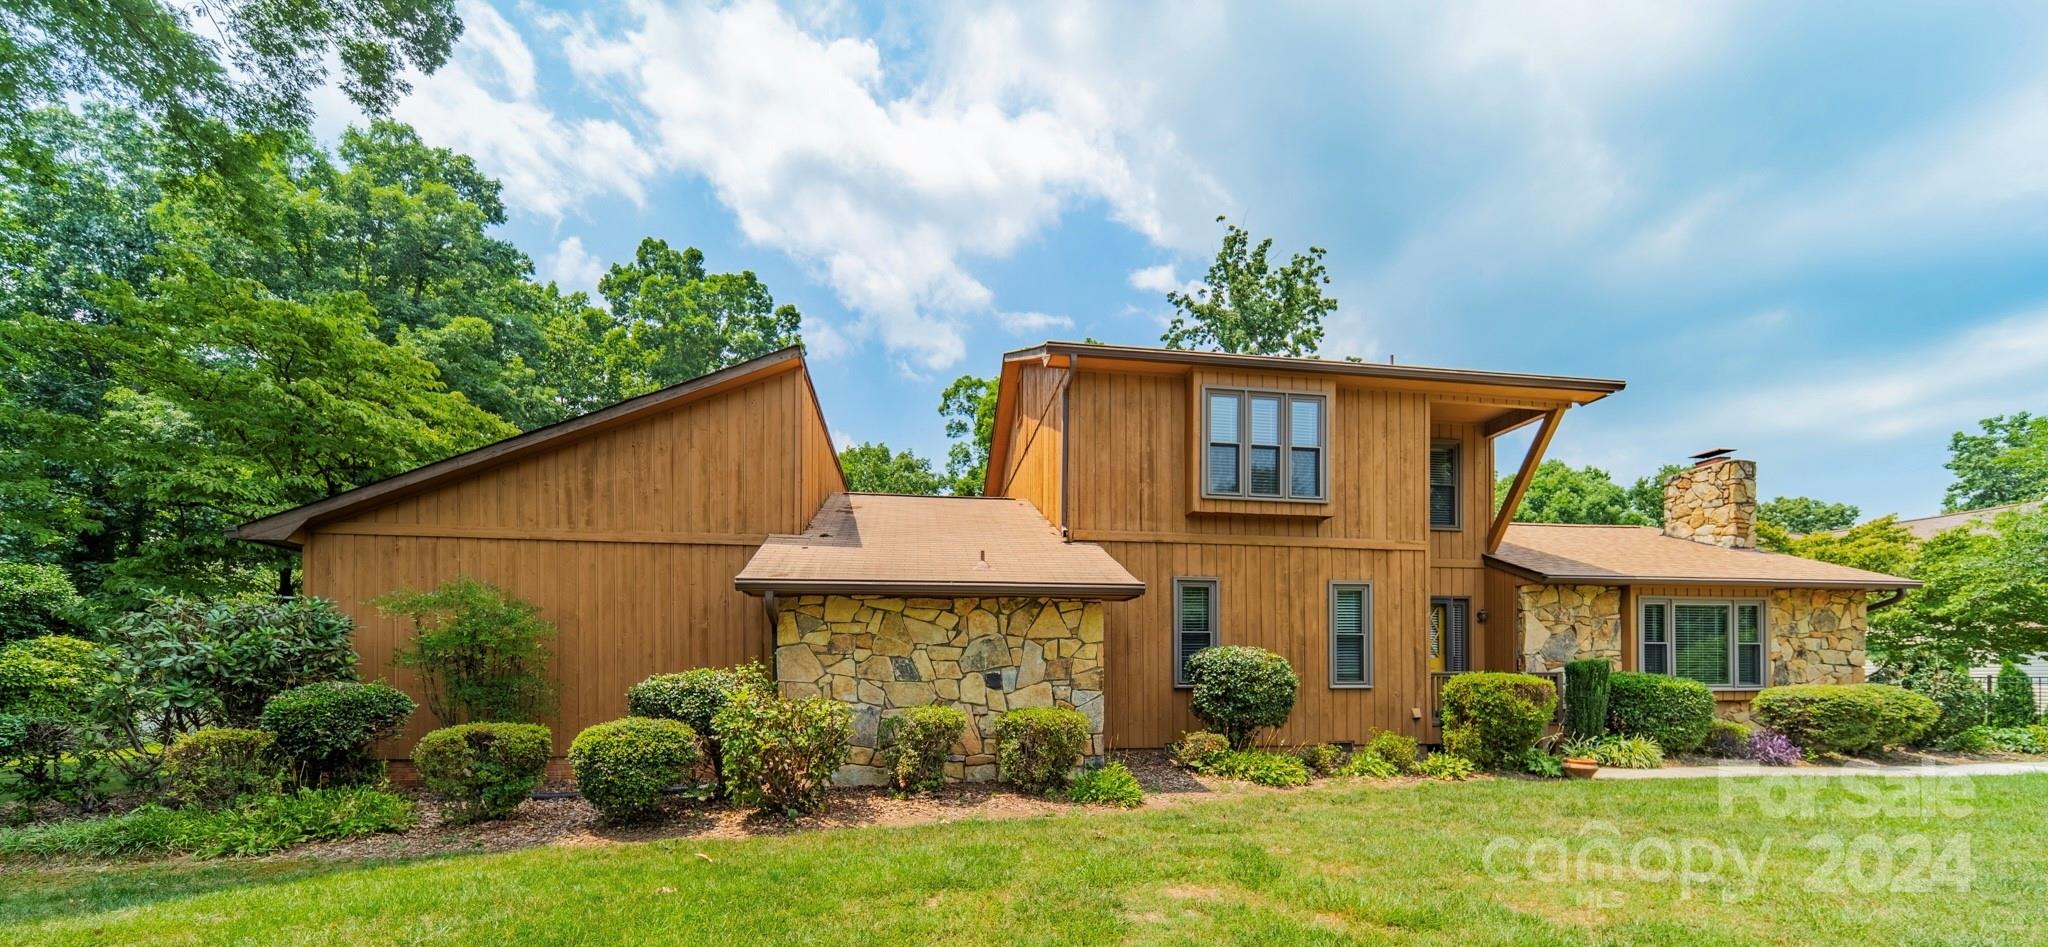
[[1886, 602], [774, 624]]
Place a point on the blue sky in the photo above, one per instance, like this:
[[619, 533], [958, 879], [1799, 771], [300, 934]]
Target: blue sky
[[1817, 234]]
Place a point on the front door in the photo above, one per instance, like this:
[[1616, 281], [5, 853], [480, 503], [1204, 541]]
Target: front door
[[1450, 635]]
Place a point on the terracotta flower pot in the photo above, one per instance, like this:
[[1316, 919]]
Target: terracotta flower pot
[[1579, 767]]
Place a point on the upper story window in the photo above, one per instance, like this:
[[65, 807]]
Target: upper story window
[[1443, 485], [1718, 643], [1266, 445]]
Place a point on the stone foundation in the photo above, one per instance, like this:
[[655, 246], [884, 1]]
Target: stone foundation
[[1563, 623], [983, 655]]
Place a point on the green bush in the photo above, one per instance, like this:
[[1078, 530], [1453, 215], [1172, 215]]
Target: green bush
[[623, 766], [2012, 699], [1729, 739], [36, 600], [1536, 762], [1369, 766], [1446, 766], [214, 767], [1673, 711], [2031, 739], [1036, 747], [1974, 740], [1846, 718], [482, 654], [223, 661], [1260, 767], [1322, 759], [1196, 750], [1492, 717], [1960, 700], [51, 676], [1239, 690], [1627, 752], [1398, 750], [1585, 697], [780, 752], [260, 825], [51, 736], [325, 730], [916, 743], [1108, 785], [484, 770], [695, 697]]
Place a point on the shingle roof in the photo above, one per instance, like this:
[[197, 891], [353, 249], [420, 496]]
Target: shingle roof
[[1642, 554], [1926, 526], [903, 545]]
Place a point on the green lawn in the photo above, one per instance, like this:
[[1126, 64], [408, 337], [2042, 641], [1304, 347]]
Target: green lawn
[[1333, 864]]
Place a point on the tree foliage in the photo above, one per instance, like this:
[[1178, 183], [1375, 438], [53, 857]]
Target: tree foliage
[[2007, 462], [873, 468], [481, 653], [1561, 493], [1802, 515], [1881, 545], [1985, 595], [1248, 306], [969, 407], [683, 321]]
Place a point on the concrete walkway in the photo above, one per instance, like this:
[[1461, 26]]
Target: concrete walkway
[[1852, 768]]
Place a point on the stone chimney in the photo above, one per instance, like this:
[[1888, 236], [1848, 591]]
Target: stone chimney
[[1713, 501]]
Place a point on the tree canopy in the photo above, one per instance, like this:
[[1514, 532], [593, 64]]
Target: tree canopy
[[1802, 515], [2006, 462], [969, 407], [1246, 305], [873, 468], [1561, 493], [1985, 597]]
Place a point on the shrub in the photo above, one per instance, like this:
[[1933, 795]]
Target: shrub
[[2031, 739], [1492, 718], [482, 654], [260, 825], [1446, 766], [917, 742], [1036, 747], [780, 752], [1369, 766], [485, 770], [1673, 711], [214, 767], [1196, 750], [1238, 690], [1108, 785], [1399, 750], [1628, 752], [50, 734], [1585, 697], [1846, 718], [1973, 740], [623, 766], [1961, 701], [1772, 748], [325, 730], [1322, 759], [1260, 767], [695, 697], [1728, 739], [51, 676], [36, 600], [2012, 699], [221, 662], [1535, 762]]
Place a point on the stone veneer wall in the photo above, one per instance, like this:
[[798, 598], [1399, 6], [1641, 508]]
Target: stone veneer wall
[[984, 655], [1563, 623], [1713, 503]]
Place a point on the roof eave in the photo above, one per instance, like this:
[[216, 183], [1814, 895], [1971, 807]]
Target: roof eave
[[1110, 592], [1764, 582], [1600, 387]]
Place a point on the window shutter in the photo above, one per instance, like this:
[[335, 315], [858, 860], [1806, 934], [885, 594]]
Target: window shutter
[[1701, 638], [1196, 625], [1749, 645], [1458, 646], [1656, 640], [1350, 635]]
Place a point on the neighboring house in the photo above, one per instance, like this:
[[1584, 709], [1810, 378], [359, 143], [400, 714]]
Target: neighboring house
[[1926, 527], [1143, 504]]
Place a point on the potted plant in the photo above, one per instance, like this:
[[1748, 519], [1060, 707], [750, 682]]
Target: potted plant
[[1579, 761]]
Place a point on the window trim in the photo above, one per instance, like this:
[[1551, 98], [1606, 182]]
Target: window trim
[[1365, 625], [1287, 399], [1457, 473], [1215, 586], [1670, 644]]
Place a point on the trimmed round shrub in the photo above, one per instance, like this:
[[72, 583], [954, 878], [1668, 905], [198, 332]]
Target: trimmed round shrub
[[1037, 747], [780, 752], [1398, 750], [695, 697], [1961, 701], [1239, 690], [212, 768], [1196, 750], [1279, 770], [623, 766], [325, 730], [484, 770], [1108, 785], [1846, 718], [36, 600], [2012, 698], [1493, 717], [1728, 739], [916, 743], [1674, 711], [1322, 759], [1585, 697]]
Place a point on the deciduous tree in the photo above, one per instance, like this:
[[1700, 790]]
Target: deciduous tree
[[1248, 306]]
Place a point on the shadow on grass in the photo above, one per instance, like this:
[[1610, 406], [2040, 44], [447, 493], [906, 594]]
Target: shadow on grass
[[35, 892]]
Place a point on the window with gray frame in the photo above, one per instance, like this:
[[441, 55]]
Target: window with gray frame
[[1350, 634], [1443, 485], [1194, 622], [1718, 642], [1264, 445]]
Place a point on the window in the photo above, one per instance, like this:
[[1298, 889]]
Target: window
[[1350, 634], [1194, 622], [1718, 643], [1450, 633], [1443, 485], [1264, 445]]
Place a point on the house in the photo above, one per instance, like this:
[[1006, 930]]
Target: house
[[1142, 504]]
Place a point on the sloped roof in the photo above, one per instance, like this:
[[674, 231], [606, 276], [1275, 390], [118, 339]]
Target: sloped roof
[[941, 546], [1552, 552], [1926, 526]]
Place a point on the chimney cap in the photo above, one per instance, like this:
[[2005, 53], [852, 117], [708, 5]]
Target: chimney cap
[[1712, 454]]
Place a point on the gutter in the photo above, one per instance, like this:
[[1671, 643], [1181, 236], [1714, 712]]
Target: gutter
[[1886, 602], [1111, 592]]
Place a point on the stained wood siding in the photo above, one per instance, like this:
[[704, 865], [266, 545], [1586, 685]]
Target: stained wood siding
[[1037, 441], [628, 540]]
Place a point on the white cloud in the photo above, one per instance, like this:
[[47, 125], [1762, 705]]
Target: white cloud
[[1157, 279], [572, 267], [1028, 323]]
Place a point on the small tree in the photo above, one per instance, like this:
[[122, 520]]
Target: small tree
[[2012, 699], [1238, 690], [1585, 697], [36, 600], [1246, 305], [482, 654]]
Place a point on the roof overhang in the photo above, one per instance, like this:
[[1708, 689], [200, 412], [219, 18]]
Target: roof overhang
[[1105, 592], [1760, 582]]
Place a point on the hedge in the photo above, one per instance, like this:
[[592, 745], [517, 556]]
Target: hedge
[[623, 766], [1674, 711], [1493, 717], [1846, 718]]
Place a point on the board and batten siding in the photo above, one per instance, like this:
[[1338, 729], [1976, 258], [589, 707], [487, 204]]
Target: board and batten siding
[[1034, 473], [627, 539]]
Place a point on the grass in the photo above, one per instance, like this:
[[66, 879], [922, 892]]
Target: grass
[[259, 826], [1338, 863]]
